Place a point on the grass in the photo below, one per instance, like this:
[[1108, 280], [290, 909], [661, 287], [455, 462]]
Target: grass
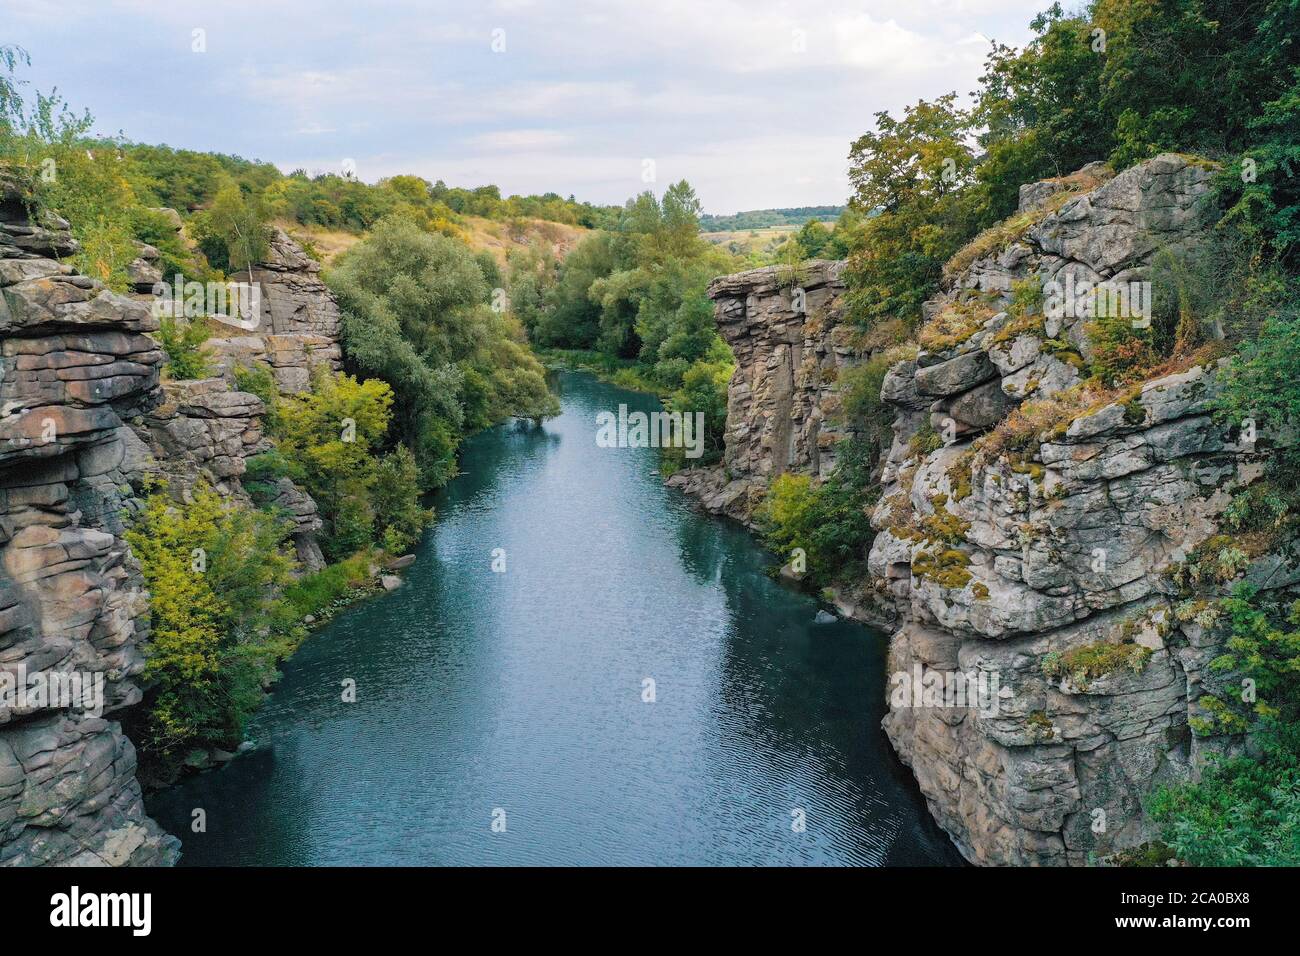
[[1015, 227], [957, 323], [1090, 662], [499, 238], [322, 592]]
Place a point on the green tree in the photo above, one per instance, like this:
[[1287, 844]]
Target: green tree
[[232, 232], [910, 172], [417, 314]]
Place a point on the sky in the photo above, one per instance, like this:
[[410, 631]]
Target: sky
[[755, 102]]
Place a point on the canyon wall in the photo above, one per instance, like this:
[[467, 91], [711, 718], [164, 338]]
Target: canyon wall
[[785, 329], [1009, 551], [85, 421], [77, 369]]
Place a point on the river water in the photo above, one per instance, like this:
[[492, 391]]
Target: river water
[[500, 716]]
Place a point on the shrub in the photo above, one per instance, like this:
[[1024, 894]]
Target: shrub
[[828, 520], [183, 342], [214, 574], [1090, 662], [330, 587]]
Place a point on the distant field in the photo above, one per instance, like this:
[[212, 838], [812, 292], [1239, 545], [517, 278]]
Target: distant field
[[496, 237], [766, 218], [743, 241]]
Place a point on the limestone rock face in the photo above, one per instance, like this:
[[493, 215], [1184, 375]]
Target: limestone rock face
[[785, 330], [75, 367], [1000, 564], [299, 324]]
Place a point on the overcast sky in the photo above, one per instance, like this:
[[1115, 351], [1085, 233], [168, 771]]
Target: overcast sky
[[754, 102]]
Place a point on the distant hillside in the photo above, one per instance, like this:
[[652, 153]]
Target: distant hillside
[[764, 218], [478, 232]]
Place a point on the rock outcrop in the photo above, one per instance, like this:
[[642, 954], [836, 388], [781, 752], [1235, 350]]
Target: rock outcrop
[[76, 368], [785, 329], [1016, 539], [298, 327], [1006, 559], [84, 420], [207, 429]]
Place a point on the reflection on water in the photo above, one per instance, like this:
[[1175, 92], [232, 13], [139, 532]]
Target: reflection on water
[[520, 693]]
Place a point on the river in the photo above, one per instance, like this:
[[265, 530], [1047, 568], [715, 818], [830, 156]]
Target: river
[[501, 716]]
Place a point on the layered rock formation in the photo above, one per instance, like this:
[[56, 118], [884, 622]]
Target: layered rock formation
[[76, 367], [1011, 550], [785, 330], [1004, 560], [298, 327], [84, 420]]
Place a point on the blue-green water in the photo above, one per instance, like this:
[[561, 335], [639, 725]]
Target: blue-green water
[[518, 696]]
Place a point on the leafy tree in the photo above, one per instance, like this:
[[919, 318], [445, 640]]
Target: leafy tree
[[1041, 110], [331, 432], [1262, 382], [417, 313], [214, 573], [232, 232], [911, 172]]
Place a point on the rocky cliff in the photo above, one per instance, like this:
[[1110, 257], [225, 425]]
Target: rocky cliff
[[77, 368], [298, 326], [84, 420], [785, 329], [1029, 531]]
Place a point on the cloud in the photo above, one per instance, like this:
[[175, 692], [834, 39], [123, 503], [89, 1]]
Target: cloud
[[520, 139], [754, 101]]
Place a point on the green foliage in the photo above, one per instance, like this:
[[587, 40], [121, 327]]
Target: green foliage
[[911, 171], [1262, 382], [331, 587], [1245, 811], [1090, 662], [636, 300], [417, 314], [703, 390], [766, 218], [864, 412], [183, 342], [829, 520], [399, 518], [232, 231], [214, 574], [1040, 110], [258, 379], [330, 436], [1121, 353]]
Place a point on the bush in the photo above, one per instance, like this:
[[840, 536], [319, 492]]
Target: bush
[[219, 627], [1263, 380], [329, 440], [827, 520], [183, 342], [318, 592]]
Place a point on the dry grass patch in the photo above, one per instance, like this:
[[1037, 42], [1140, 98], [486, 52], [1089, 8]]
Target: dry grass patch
[[1014, 227]]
